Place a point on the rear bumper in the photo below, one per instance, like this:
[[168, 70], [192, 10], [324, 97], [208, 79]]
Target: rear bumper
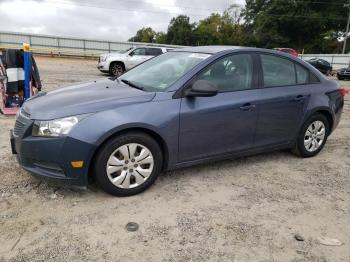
[[337, 117], [49, 158], [343, 75]]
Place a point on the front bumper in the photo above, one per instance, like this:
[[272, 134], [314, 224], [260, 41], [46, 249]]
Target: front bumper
[[50, 158], [103, 66]]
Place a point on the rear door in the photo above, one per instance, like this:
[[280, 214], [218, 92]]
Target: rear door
[[282, 100]]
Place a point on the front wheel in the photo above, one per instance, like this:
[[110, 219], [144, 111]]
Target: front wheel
[[116, 69], [128, 164], [313, 136]]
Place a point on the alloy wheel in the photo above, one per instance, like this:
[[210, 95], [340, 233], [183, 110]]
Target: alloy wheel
[[314, 136], [117, 70]]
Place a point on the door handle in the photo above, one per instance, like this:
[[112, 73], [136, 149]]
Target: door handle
[[299, 98], [247, 107]]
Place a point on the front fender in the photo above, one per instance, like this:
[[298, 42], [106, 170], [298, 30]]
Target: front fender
[[128, 126], [159, 117]]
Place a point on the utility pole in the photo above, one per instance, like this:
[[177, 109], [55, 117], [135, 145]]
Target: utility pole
[[347, 29]]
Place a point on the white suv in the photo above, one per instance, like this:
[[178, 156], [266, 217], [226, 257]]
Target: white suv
[[117, 63]]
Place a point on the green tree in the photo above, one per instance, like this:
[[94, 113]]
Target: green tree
[[161, 38], [145, 35], [180, 31], [296, 24], [208, 32]]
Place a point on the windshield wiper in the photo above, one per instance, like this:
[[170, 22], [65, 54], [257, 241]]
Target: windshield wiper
[[132, 84]]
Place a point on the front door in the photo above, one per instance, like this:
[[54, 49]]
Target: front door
[[224, 123], [137, 57]]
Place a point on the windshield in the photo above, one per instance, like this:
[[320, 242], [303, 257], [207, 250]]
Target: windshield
[[124, 51], [159, 73]]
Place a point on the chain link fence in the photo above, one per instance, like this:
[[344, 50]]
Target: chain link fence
[[66, 46]]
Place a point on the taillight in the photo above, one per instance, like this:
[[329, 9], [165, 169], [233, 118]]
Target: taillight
[[343, 91]]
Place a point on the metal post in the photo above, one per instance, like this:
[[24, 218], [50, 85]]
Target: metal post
[[84, 45], [58, 47], [347, 29], [27, 69]]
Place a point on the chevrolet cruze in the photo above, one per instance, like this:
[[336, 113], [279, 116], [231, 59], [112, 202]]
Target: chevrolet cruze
[[181, 108]]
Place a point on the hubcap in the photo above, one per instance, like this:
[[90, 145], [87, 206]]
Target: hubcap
[[314, 136], [130, 166]]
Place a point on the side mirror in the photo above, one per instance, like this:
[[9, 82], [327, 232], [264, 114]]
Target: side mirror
[[131, 54], [202, 88]]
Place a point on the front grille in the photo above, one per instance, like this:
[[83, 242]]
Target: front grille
[[19, 128]]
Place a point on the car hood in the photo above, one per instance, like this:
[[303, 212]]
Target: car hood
[[84, 98], [116, 55]]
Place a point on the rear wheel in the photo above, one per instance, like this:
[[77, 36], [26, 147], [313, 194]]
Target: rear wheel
[[313, 136], [116, 69], [128, 164]]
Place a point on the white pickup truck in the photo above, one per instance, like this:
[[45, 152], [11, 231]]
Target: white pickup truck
[[117, 63]]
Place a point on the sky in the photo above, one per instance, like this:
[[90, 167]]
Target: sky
[[115, 20]]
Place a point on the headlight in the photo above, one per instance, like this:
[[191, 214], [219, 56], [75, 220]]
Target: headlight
[[17, 114], [56, 127], [104, 58]]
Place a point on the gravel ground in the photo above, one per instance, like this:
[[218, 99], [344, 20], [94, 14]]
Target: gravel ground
[[249, 209]]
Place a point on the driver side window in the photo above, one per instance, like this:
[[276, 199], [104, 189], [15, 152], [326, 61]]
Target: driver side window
[[138, 51], [232, 73]]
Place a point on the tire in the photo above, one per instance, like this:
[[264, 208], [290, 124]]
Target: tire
[[116, 69], [340, 78], [305, 149], [135, 172]]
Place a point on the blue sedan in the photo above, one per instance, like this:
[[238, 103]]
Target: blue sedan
[[182, 108]]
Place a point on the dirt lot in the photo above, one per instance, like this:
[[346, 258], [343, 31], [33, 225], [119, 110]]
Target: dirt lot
[[247, 209]]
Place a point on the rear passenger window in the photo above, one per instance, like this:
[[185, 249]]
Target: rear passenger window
[[302, 74], [277, 71], [154, 51]]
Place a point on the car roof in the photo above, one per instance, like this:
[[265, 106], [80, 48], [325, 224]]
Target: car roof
[[218, 48], [284, 48], [317, 58], [208, 49], [148, 46]]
